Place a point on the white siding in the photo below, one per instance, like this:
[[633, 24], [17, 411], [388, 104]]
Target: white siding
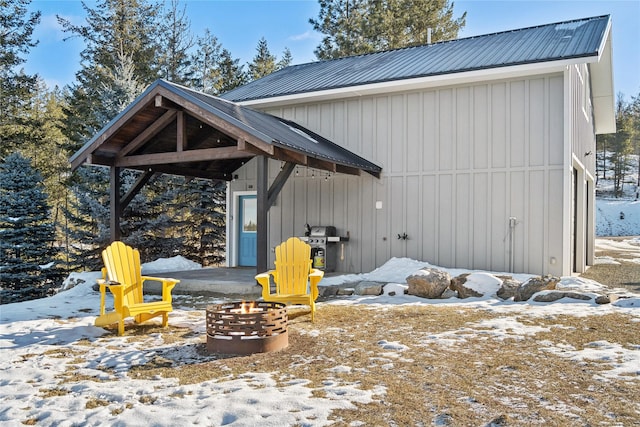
[[457, 162]]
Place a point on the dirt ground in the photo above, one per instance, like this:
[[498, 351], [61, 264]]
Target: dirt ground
[[626, 273]]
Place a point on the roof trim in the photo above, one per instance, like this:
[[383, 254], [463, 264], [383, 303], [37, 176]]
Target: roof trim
[[425, 82], [602, 88], [254, 133]]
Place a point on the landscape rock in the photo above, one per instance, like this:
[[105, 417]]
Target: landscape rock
[[603, 299], [428, 283], [369, 288], [508, 288], [457, 284], [345, 291], [328, 291], [535, 285], [449, 293], [556, 295]]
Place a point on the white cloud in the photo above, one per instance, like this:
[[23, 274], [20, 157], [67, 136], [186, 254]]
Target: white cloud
[[307, 35]]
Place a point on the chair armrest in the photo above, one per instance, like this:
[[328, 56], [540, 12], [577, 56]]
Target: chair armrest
[[115, 288], [314, 278], [263, 280], [167, 285]]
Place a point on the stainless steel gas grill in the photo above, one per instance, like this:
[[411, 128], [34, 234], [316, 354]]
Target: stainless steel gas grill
[[324, 246]]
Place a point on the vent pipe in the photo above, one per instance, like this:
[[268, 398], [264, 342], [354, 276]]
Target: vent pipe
[[428, 35]]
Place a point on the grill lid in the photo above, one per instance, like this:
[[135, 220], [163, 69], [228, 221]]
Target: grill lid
[[322, 231]]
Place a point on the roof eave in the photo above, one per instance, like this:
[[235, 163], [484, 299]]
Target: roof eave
[[602, 89], [455, 78]]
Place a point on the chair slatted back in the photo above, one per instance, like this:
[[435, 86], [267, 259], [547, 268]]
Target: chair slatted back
[[123, 266], [293, 264]]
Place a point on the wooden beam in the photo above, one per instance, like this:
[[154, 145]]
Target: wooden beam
[[181, 134], [205, 154], [262, 220], [115, 209], [279, 182], [81, 156], [290, 156], [226, 126], [135, 188], [350, 171], [148, 133], [321, 164], [251, 147], [196, 173], [162, 102], [94, 159]]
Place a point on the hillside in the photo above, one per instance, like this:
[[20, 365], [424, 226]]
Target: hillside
[[619, 216]]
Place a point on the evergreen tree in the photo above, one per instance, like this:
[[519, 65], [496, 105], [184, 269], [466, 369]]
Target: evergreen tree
[[206, 74], [264, 63], [203, 225], [119, 34], [620, 145], [286, 59], [88, 216], [174, 61], [232, 74], [16, 87], [27, 254], [354, 27]]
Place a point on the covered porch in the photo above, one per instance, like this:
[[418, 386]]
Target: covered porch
[[170, 129]]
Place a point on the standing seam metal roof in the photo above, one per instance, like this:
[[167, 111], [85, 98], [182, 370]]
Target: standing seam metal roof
[[544, 43]]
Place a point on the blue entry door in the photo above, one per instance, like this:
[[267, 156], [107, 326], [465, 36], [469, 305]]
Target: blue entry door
[[247, 240]]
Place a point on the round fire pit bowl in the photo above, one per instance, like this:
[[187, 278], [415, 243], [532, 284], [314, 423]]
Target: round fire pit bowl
[[247, 327]]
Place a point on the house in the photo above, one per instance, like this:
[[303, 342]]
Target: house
[[485, 145], [471, 153]]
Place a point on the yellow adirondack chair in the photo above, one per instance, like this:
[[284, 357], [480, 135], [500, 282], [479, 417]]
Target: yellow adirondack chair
[[295, 281], [123, 271]]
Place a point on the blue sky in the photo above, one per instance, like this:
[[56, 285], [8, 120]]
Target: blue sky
[[240, 24]]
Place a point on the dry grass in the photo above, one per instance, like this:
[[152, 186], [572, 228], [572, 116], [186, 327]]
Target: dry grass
[[471, 378], [626, 275]]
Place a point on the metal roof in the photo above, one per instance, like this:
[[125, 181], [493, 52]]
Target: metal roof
[[144, 136], [579, 38]]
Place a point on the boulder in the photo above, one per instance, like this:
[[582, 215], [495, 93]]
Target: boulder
[[428, 283], [457, 284], [603, 299], [328, 291], [556, 295], [368, 288], [449, 293], [533, 285], [508, 288]]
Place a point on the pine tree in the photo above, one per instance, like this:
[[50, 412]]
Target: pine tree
[[174, 61], [620, 145], [119, 34], [232, 74], [16, 87], [205, 74], [88, 218], [27, 254], [203, 204], [264, 63], [354, 27]]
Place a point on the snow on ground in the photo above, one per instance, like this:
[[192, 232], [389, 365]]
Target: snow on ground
[[616, 217], [37, 341]]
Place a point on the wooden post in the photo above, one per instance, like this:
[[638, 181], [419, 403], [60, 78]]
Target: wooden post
[[262, 220], [115, 207]]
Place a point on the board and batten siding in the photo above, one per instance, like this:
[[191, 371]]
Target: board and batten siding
[[458, 162]]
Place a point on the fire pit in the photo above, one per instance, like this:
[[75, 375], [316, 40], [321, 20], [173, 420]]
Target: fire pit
[[247, 327]]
